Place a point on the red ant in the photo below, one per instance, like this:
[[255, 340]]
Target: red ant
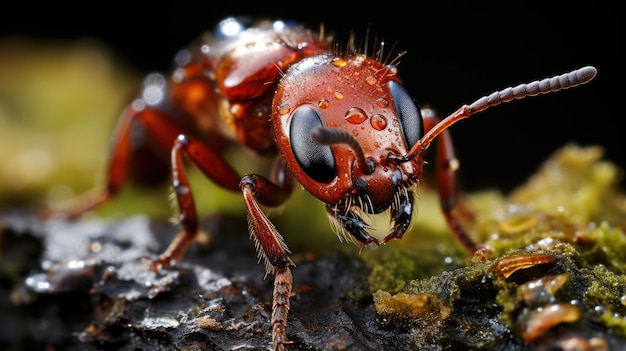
[[340, 124]]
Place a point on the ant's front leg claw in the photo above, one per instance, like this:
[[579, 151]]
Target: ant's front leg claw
[[155, 264], [76, 207], [280, 345], [174, 251], [279, 339], [481, 254]]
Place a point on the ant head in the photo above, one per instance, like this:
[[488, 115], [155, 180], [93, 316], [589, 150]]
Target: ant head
[[341, 123]]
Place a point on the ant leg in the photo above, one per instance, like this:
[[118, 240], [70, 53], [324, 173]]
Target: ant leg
[[271, 247], [117, 172], [193, 96], [160, 130], [215, 168], [446, 166]]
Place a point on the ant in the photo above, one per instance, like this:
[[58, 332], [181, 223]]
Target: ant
[[340, 124]]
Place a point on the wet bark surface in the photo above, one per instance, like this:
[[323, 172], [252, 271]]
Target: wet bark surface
[[88, 285]]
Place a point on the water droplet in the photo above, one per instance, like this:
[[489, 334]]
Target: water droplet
[[75, 264], [178, 75], [279, 25], [38, 283], [339, 62], [597, 343], [542, 290], [355, 115], [371, 80], [139, 104], [230, 27], [338, 95], [284, 109], [382, 102], [96, 246], [152, 94], [183, 57], [378, 122], [323, 104], [454, 164], [360, 58], [237, 110], [355, 133]]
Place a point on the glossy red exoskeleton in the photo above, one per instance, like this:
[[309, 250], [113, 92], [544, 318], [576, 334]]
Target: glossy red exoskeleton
[[341, 124]]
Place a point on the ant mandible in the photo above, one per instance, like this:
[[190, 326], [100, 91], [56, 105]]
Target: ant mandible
[[341, 124]]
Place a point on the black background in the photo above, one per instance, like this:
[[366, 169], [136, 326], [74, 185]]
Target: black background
[[456, 53]]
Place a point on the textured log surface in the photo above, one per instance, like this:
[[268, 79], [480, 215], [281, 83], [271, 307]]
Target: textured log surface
[[85, 285]]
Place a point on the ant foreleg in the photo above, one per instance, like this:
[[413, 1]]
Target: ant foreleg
[[271, 248]]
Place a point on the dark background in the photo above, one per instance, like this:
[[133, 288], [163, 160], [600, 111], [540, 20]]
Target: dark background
[[456, 53]]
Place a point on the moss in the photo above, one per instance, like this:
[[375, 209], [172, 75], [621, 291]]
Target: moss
[[575, 183], [556, 256], [426, 250], [605, 245], [406, 306], [604, 297]]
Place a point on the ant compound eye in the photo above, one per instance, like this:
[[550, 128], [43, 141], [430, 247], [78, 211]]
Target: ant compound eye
[[316, 160], [408, 113]]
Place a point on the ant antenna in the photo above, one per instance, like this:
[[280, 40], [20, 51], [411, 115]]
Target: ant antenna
[[544, 86], [333, 136]]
